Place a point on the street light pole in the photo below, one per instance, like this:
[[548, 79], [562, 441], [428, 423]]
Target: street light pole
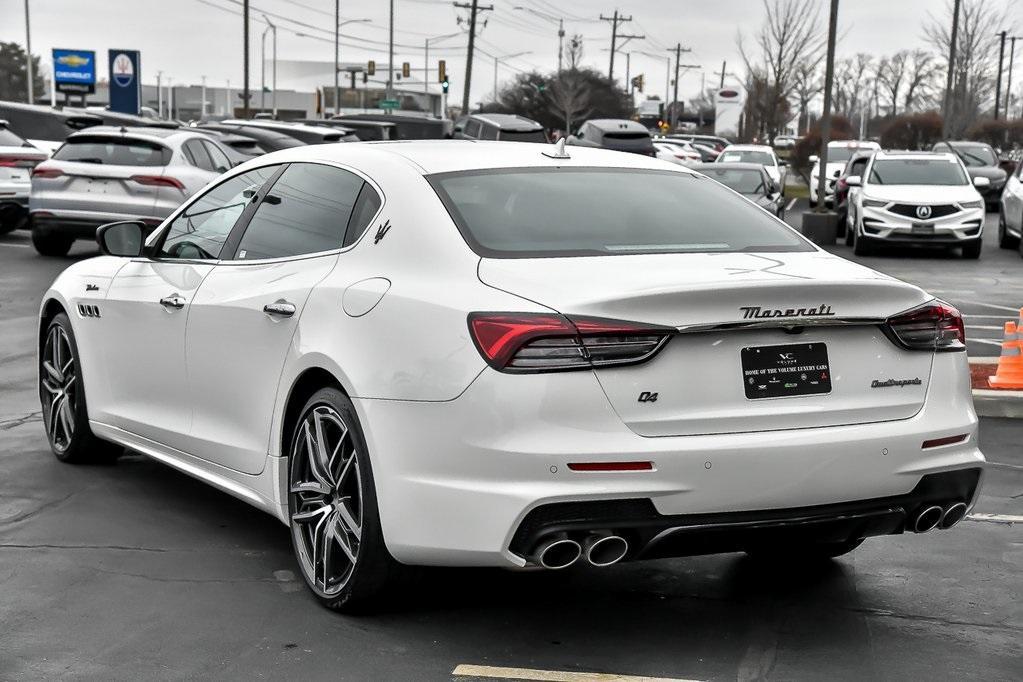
[[262, 70], [1001, 59], [496, 59], [273, 76], [390, 53], [954, 39], [426, 57], [28, 56], [829, 78], [1008, 86], [337, 56]]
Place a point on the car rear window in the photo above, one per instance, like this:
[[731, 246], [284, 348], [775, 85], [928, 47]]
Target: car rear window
[[741, 180], [746, 156], [114, 151], [9, 139], [523, 136], [528, 213]]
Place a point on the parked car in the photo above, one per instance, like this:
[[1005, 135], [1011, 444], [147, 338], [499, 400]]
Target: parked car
[[43, 127], [719, 143], [839, 153], [366, 131], [756, 153], [502, 127], [261, 140], [709, 151], [409, 127], [785, 141], [116, 118], [916, 198], [981, 161], [674, 153], [705, 153], [238, 149], [618, 134], [17, 159], [106, 174], [303, 132], [477, 355], [750, 180], [855, 166], [1010, 214]]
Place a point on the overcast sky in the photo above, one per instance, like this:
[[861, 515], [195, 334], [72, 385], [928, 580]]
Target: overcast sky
[[187, 39]]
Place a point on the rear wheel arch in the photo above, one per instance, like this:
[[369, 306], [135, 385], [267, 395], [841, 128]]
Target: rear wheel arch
[[303, 387]]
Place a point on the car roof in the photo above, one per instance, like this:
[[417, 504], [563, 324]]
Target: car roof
[[509, 121], [614, 124], [905, 154], [963, 143], [49, 111], [445, 156], [854, 144], [144, 132], [357, 123], [282, 126], [731, 165], [749, 148]]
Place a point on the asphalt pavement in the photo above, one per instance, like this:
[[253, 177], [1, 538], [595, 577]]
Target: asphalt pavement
[[135, 571]]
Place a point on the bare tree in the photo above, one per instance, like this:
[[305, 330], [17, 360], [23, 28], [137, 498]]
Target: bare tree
[[921, 71], [790, 36], [808, 83], [890, 75], [973, 73], [569, 98], [853, 84]]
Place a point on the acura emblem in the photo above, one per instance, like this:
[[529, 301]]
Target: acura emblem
[[923, 212]]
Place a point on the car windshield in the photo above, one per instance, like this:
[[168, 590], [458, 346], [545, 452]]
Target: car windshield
[[523, 213], [917, 172], [743, 181], [841, 153], [746, 156], [976, 156], [113, 151]]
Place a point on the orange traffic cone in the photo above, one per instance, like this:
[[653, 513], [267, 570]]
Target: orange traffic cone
[[1010, 364]]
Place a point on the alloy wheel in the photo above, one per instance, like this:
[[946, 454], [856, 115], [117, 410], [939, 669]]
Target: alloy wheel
[[59, 381], [326, 499]]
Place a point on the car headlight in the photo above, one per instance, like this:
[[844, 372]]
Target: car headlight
[[874, 203], [979, 203]]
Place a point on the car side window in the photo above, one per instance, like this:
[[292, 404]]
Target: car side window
[[196, 153], [488, 132], [306, 211], [221, 163], [858, 167], [199, 232], [472, 128], [366, 206]]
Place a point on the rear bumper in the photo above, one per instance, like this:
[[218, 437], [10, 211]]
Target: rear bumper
[[79, 224], [458, 479]]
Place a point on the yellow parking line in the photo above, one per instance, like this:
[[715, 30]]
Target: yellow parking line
[[493, 672]]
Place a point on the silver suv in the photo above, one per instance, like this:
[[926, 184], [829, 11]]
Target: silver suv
[[106, 174]]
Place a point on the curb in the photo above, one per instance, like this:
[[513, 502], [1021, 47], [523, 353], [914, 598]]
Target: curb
[[990, 402]]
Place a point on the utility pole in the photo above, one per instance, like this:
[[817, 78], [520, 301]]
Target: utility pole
[[245, 59], [674, 100], [724, 69], [203, 114], [947, 108], [390, 55], [474, 10], [829, 78], [337, 56], [1001, 59], [1008, 86], [561, 42], [28, 56], [159, 95], [262, 69], [615, 20]]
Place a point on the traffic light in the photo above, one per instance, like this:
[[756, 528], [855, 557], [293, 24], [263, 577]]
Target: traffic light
[[365, 77], [371, 68], [442, 71], [444, 84], [406, 70], [637, 82]]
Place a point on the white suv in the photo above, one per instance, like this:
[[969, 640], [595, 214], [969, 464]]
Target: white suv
[[915, 198]]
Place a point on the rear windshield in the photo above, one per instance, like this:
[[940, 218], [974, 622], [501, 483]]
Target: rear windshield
[[741, 180], [746, 156], [114, 151], [39, 124], [976, 155], [525, 213], [9, 139], [523, 136], [917, 172]]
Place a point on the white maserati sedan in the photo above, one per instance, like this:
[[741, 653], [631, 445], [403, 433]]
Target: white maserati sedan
[[468, 353]]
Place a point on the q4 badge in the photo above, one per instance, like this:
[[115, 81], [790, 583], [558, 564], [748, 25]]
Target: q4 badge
[[382, 231]]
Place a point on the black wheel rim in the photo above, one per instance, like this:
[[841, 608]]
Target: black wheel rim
[[59, 389], [325, 499]]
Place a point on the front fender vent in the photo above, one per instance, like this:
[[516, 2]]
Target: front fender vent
[[88, 310]]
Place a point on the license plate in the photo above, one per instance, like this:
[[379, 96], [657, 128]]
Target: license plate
[[785, 371], [922, 229]]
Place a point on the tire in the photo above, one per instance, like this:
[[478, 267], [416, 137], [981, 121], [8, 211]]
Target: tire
[[55, 245], [62, 397], [12, 217], [803, 552], [338, 544], [972, 250], [849, 232], [1005, 240], [861, 245]]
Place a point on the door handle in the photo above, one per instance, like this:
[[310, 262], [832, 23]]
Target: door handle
[[279, 309], [175, 301]]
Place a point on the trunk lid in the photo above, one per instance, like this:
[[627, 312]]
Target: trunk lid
[[699, 376]]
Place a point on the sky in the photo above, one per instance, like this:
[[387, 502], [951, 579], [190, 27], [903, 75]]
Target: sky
[[189, 39]]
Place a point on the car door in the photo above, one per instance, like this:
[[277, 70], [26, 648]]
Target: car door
[[244, 316], [1012, 199], [146, 309]]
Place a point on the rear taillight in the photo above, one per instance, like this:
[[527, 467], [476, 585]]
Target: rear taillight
[[19, 161], [46, 172], [934, 326], [158, 181], [541, 342]]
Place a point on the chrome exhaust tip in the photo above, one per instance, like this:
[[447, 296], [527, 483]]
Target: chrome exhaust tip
[[928, 519], [558, 553], [953, 515], [605, 550]]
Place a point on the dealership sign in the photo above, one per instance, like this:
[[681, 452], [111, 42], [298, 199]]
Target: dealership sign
[[125, 88], [74, 71]]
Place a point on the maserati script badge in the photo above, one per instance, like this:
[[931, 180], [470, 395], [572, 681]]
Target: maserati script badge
[[888, 383]]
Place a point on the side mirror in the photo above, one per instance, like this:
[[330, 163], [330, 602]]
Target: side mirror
[[854, 181], [124, 239], [981, 183], [814, 158], [783, 163]]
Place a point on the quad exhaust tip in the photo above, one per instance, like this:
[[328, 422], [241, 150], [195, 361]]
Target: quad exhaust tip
[[953, 515], [558, 553], [605, 550], [928, 519]]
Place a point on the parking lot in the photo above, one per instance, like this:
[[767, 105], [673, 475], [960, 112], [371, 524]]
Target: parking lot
[[135, 571]]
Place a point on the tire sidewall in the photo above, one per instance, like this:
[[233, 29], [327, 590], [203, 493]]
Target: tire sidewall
[[79, 440]]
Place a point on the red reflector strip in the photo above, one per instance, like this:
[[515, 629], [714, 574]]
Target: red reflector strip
[[611, 466], [947, 440]]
